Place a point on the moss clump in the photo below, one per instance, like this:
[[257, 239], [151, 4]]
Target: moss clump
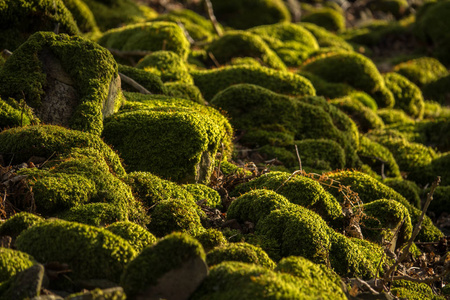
[[15, 114], [394, 116], [326, 38], [412, 290], [438, 90], [94, 214], [83, 16], [88, 70], [408, 96], [151, 36], [90, 252], [375, 155], [19, 222], [244, 15], [211, 238], [13, 262], [242, 252], [166, 64], [310, 272], [19, 144], [184, 90], [244, 44], [153, 262], [203, 193], [325, 88], [136, 235], [20, 19], [213, 81], [421, 71], [152, 82], [327, 18], [407, 189], [174, 215]]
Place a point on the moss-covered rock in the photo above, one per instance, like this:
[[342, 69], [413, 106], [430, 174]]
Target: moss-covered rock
[[83, 16], [94, 214], [184, 90], [153, 262], [204, 194], [413, 290], [421, 71], [242, 252], [152, 82], [15, 114], [243, 15], [244, 44], [327, 89], [13, 262], [406, 188], [408, 96], [90, 252], [50, 66], [327, 18], [326, 38], [136, 235], [211, 238], [211, 82], [438, 90], [19, 222], [20, 19], [166, 64], [394, 116]]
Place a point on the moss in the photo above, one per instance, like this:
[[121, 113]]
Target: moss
[[319, 277], [441, 200], [365, 118], [19, 222], [242, 252], [438, 90], [376, 156], [168, 254], [227, 168], [13, 262], [315, 153], [421, 71], [395, 7], [148, 80], [245, 61], [94, 214], [365, 99], [99, 294], [201, 192], [243, 15], [325, 88], [115, 13], [151, 36], [272, 134], [136, 235], [408, 96], [327, 18], [407, 189], [432, 109], [244, 44], [211, 238], [20, 19], [213, 81], [83, 16], [326, 38], [104, 254], [412, 290], [15, 114], [184, 90], [174, 215], [166, 64], [384, 97], [394, 116], [90, 68], [19, 144]]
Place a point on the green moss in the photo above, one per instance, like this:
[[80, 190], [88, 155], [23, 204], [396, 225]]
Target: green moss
[[19, 144], [19, 222], [20, 19], [421, 71], [227, 168], [242, 252], [211, 238], [153, 262], [13, 262], [115, 13], [99, 294], [201, 192], [408, 96], [326, 38], [245, 61], [136, 235], [375, 155], [407, 189], [151, 36], [365, 99], [244, 44], [327, 18], [166, 64], [325, 88], [83, 16], [90, 252], [438, 90], [94, 214], [174, 215], [384, 97], [213, 81], [15, 114], [394, 116], [243, 15], [148, 80], [395, 7], [184, 90], [412, 290], [90, 68]]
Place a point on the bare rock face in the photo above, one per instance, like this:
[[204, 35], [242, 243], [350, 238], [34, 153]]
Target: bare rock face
[[110, 105]]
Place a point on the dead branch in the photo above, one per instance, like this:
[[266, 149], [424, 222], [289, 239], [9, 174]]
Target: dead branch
[[186, 33], [134, 84], [212, 17], [298, 158], [213, 58], [6, 53], [427, 279]]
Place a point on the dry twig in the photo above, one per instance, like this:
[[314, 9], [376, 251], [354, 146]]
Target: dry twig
[[134, 84], [212, 17]]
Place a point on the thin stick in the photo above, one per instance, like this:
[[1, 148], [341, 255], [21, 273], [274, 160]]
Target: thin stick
[[428, 279], [6, 53], [134, 84], [213, 58], [186, 33], [212, 17]]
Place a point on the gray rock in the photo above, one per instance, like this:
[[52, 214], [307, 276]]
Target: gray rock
[[26, 284]]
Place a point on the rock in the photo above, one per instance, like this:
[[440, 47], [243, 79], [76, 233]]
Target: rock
[[26, 284], [115, 293]]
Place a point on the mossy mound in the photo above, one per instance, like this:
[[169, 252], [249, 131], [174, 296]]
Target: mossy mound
[[413, 290], [19, 222], [13, 262], [168, 254], [20, 144], [166, 64], [19, 19], [244, 44], [173, 138], [408, 96], [213, 81], [90, 252], [421, 71], [151, 36], [49, 65], [438, 90], [204, 195], [184, 90], [326, 38], [152, 82], [94, 214], [115, 13], [407, 189], [242, 252], [136, 235], [326, 17], [394, 116], [211, 238], [327, 89], [83, 16], [244, 15]]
